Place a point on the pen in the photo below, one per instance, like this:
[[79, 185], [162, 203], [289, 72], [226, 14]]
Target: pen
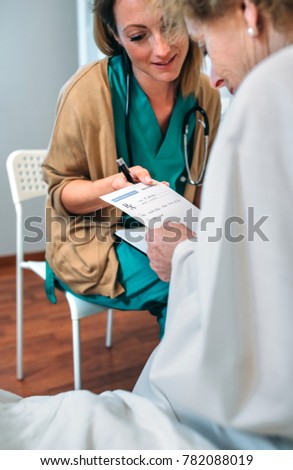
[[124, 168]]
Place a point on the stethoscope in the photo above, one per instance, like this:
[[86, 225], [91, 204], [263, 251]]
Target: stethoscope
[[206, 127], [185, 130]]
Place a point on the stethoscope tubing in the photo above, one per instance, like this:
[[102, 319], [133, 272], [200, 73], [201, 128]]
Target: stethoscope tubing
[[206, 127], [204, 123]]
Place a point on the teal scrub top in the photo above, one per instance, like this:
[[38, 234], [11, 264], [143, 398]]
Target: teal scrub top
[[162, 155]]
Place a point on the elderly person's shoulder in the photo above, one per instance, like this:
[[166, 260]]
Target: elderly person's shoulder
[[270, 75], [266, 88]]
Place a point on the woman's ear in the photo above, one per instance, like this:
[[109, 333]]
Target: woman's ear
[[251, 16]]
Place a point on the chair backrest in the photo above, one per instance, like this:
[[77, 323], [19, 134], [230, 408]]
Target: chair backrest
[[25, 174]]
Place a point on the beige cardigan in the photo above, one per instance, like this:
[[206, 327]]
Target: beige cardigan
[[80, 248]]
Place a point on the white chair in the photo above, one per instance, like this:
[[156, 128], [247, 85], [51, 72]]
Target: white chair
[[25, 178]]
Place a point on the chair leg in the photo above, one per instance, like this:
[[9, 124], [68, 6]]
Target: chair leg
[[109, 328], [76, 354], [19, 323]]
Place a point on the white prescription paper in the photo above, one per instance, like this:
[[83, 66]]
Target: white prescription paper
[[155, 204], [135, 236]]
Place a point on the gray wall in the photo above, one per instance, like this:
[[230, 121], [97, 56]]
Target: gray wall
[[38, 53]]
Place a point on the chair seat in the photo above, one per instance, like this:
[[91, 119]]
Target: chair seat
[[38, 267], [80, 308]]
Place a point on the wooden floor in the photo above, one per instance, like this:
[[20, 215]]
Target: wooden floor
[[48, 343]]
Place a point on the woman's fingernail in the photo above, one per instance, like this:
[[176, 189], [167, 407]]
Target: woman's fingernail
[[148, 179]]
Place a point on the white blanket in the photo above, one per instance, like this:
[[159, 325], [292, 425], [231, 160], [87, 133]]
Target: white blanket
[[83, 420]]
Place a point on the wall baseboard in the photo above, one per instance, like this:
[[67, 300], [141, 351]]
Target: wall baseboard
[[11, 260]]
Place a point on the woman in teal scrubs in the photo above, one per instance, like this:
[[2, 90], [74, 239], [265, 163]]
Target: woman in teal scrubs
[[132, 104]]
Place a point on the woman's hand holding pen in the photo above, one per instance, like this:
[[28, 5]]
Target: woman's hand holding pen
[[83, 196], [137, 173]]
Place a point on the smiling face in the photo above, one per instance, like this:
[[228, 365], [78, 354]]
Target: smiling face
[[154, 57]]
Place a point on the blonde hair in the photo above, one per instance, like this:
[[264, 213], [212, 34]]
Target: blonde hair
[[105, 28]]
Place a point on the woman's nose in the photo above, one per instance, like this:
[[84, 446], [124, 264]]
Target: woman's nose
[[161, 46], [215, 80]]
